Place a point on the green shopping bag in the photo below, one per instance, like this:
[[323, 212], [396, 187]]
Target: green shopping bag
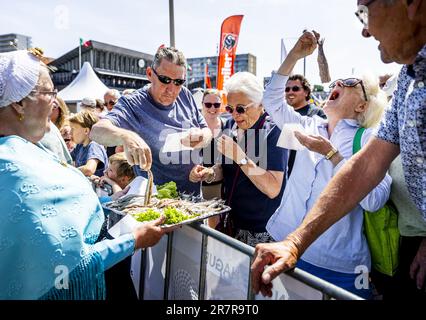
[[381, 230]]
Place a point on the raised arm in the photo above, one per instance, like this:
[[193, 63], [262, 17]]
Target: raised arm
[[273, 97], [136, 150]]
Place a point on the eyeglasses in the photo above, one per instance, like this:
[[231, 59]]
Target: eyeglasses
[[111, 103], [167, 80], [293, 88], [350, 82], [239, 108], [362, 13], [208, 105], [52, 94]]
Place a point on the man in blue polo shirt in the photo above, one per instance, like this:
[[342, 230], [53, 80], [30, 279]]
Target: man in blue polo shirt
[[142, 120]]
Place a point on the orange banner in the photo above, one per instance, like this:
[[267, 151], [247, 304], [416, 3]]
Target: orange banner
[[228, 46]]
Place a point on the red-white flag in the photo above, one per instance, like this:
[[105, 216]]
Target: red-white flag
[[228, 46]]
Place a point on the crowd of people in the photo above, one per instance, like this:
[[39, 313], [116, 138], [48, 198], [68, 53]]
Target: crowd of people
[[299, 209]]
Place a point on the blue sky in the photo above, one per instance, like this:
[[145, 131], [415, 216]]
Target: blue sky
[[143, 25]]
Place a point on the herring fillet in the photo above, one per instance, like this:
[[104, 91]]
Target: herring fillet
[[322, 63], [148, 192]]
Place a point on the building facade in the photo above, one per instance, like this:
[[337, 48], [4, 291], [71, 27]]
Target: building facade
[[118, 68], [122, 68], [14, 41], [197, 68]]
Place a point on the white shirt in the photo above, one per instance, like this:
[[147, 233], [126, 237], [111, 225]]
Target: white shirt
[[343, 246]]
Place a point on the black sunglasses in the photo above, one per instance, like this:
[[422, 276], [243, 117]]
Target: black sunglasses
[[111, 102], [350, 82], [209, 105], [239, 108], [293, 88], [167, 80]]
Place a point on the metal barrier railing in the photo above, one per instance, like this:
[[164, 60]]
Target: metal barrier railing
[[184, 243]]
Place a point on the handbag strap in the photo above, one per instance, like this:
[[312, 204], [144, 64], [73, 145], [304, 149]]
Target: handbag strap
[[357, 140], [237, 173]]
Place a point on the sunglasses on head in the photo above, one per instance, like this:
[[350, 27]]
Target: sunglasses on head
[[208, 105], [293, 88], [239, 108], [350, 82], [167, 80], [362, 13]]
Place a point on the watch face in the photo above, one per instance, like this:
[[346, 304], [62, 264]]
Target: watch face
[[243, 161]]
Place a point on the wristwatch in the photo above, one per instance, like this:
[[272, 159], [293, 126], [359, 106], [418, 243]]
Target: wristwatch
[[243, 161], [331, 153]]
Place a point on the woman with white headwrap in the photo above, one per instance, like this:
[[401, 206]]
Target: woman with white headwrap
[[50, 218]]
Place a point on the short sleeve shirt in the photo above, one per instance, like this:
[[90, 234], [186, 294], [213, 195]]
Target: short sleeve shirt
[[404, 124], [81, 154], [139, 113]]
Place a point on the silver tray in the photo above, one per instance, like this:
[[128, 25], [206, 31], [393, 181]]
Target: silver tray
[[116, 215]]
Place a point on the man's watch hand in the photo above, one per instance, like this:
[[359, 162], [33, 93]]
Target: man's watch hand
[[243, 161]]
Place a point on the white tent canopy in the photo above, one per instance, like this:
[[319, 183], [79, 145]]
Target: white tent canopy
[[86, 84]]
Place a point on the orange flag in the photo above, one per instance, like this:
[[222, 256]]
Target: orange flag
[[228, 46]]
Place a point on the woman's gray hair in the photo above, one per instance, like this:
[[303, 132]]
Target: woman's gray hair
[[113, 92], [376, 103], [170, 54], [246, 83]]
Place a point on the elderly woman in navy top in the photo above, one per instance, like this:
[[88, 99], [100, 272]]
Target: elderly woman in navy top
[[339, 254], [254, 167]]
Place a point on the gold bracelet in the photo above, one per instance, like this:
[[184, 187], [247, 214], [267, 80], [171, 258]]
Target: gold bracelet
[[331, 153]]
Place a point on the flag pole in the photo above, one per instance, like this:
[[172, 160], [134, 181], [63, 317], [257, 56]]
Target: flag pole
[[79, 55], [172, 23]]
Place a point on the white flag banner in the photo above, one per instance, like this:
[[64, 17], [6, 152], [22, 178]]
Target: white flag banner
[[174, 142], [287, 138], [283, 51]]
